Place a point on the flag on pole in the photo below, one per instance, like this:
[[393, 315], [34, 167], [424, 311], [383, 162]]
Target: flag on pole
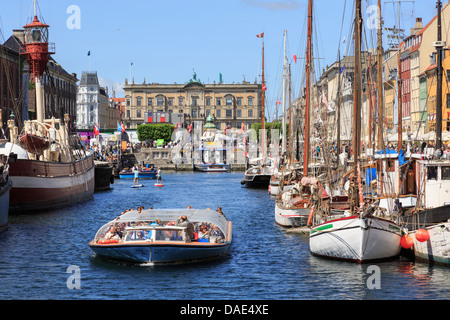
[[123, 128], [119, 127], [228, 127], [295, 58], [261, 35], [96, 131], [264, 87], [191, 126], [242, 128]]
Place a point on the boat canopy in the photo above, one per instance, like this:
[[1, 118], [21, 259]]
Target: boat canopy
[[168, 215]]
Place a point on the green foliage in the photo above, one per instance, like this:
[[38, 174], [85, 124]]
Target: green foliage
[[269, 126], [155, 131]]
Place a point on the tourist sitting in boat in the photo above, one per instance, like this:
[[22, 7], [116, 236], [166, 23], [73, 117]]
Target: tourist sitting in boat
[[203, 233], [184, 222]]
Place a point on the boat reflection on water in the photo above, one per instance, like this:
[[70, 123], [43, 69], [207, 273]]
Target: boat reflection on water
[[159, 237]]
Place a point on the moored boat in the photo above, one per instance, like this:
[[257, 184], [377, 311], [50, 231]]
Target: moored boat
[[54, 170], [104, 175], [144, 173], [212, 167], [160, 236]]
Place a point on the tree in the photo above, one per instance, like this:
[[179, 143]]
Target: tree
[[155, 131]]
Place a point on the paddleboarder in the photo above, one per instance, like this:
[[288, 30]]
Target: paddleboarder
[[136, 176], [158, 177]]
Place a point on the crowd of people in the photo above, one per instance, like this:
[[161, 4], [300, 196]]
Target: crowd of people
[[195, 231]]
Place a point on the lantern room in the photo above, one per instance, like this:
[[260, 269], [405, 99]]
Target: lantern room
[[36, 47], [36, 32]]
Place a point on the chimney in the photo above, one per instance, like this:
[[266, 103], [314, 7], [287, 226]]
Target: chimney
[[417, 27], [18, 33]]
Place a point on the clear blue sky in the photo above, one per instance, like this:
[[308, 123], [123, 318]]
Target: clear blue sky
[[165, 39]]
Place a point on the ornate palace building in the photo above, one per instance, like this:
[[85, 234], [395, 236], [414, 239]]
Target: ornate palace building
[[231, 105]]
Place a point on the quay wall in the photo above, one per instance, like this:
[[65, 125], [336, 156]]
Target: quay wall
[[162, 158]]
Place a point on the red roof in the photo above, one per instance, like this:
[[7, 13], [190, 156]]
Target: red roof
[[416, 47], [36, 23]]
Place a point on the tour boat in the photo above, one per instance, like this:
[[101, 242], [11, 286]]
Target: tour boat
[[144, 173], [213, 167], [154, 236]]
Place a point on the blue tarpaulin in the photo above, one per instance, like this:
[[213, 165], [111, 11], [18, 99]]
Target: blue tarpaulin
[[371, 174]]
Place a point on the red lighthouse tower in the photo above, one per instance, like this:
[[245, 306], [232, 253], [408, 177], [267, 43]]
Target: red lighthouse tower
[[37, 50]]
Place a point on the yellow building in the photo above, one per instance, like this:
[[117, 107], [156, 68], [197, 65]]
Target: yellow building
[[431, 76], [234, 105]]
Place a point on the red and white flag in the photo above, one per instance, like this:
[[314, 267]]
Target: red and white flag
[[264, 87], [261, 35], [190, 127], [242, 128], [295, 58], [228, 127], [123, 127], [96, 131]]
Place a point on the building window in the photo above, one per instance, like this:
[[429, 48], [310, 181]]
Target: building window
[[150, 102], [194, 101], [239, 101], [208, 101], [229, 101], [250, 101], [138, 113], [445, 173], [250, 113], [218, 113], [180, 101], [218, 101], [238, 113], [170, 101], [229, 113], [128, 102], [194, 113], [160, 102], [208, 112], [138, 101], [128, 114]]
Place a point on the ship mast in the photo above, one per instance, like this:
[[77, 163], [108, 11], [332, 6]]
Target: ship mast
[[308, 94], [380, 79], [283, 142], [439, 46], [357, 93]]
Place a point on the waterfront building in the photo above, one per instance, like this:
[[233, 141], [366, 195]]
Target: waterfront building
[[431, 79], [10, 84], [231, 105], [59, 85], [93, 105]]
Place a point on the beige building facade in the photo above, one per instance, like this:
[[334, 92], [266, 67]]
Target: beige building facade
[[234, 105]]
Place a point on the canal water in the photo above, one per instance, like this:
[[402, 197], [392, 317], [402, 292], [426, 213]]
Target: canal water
[[40, 253]]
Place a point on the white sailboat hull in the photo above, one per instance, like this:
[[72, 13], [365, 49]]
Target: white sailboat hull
[[356, 239], [291, 217], [437, 248]]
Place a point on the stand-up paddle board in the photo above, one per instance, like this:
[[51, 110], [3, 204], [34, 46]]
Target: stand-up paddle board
[[137, 186], [159, 185]]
